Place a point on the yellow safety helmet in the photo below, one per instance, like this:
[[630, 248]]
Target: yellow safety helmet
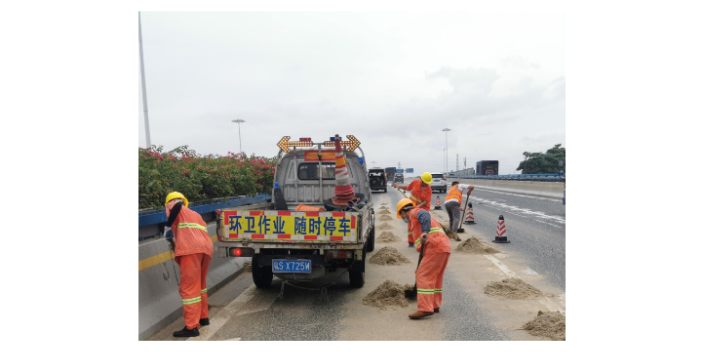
[[427, 177], [175, 195], [404, 202]]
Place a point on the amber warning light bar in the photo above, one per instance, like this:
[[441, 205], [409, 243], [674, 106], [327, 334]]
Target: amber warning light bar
[[284, 143]]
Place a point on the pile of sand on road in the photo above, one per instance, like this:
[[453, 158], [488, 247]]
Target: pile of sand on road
[[513, 288], [384, 212], [385, 218], [386, 295], [386, 226], [474, 246], [389, 256], [387, 236], [550, 325]]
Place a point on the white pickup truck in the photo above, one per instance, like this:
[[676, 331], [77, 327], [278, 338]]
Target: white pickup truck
[[305, 245]]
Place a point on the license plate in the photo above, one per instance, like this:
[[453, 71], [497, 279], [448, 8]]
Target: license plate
[[290, 266]]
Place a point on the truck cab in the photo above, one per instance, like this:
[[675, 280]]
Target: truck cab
[[303, 236]]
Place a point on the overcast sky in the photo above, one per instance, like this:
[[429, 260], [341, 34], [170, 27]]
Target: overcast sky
[[394, 80]]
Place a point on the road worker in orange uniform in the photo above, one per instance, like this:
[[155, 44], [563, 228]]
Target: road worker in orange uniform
[[429, 236], [193, 251], [421, 196]]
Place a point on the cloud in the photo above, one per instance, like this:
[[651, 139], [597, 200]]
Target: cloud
[[519, 62]]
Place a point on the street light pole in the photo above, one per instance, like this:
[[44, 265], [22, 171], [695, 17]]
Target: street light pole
[[144, 84], [239, 123], [446, 151]]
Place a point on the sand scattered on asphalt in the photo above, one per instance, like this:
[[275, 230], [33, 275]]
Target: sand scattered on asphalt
[[387, 236], [474, 246], [550, 325], [385, 218], [385, 226], [513, 288], [389, 256], [388, 294], [247, 267]]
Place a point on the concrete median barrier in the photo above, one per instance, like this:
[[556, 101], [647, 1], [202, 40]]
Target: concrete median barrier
[[532, 188]]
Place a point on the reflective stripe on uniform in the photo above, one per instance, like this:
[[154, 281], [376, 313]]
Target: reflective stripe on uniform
[[191, 301], [435, 229], [190, 225], [426, 291], [418, 201], [438, 290], [205, 290]]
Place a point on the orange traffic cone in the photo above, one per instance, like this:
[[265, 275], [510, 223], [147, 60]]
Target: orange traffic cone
[[469, 219], [501, 232], [437, 203], [343, 188]]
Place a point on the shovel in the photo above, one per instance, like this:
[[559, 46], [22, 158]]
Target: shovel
[[412, 294], [461, 230]]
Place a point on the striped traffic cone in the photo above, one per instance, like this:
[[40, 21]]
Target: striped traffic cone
[[501, 232], [343, 187], [469, 219], [437, 203]]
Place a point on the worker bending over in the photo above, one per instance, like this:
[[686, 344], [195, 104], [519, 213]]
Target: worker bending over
[[453, 204], [421, 196], [193, 249], [435, 250]]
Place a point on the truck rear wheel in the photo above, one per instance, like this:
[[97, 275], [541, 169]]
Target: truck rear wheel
[[262, 276], [356, 272], [370, 240]]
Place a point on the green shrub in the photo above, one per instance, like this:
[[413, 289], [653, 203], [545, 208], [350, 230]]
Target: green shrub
[[200, 177]]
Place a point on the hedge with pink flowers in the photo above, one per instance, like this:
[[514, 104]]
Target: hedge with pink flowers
[[200, 177]]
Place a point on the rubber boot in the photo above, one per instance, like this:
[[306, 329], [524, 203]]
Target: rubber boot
[[436, 310], [187, 333], [204, 322], [419, 314]]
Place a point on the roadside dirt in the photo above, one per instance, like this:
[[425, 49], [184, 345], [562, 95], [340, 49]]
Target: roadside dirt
[[513, 288], [550, 325], [247, 267], [388, 294], [388, 256], [386, 226], [385, 218], [387, 236], [474, 246]]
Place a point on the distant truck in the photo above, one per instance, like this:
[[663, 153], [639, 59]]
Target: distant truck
[[390, 173], [305, 244], [377, 180], [488, 167]]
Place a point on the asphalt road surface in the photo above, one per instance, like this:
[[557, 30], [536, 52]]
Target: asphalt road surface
[[331, 310]]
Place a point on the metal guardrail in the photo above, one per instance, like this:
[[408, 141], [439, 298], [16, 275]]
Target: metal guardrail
[[527, 177], [155, 217]]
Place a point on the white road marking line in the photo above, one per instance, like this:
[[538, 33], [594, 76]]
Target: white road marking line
[[547, 223], [538, 214], [229, 311], [544, 300], [500, 265], [548, 303], [529, 271]]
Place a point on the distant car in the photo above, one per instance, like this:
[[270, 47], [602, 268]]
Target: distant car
[[398, 178], [439, 182], [377, 180]]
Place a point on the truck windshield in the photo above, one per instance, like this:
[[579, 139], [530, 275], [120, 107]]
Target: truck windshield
[[309, 171]]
